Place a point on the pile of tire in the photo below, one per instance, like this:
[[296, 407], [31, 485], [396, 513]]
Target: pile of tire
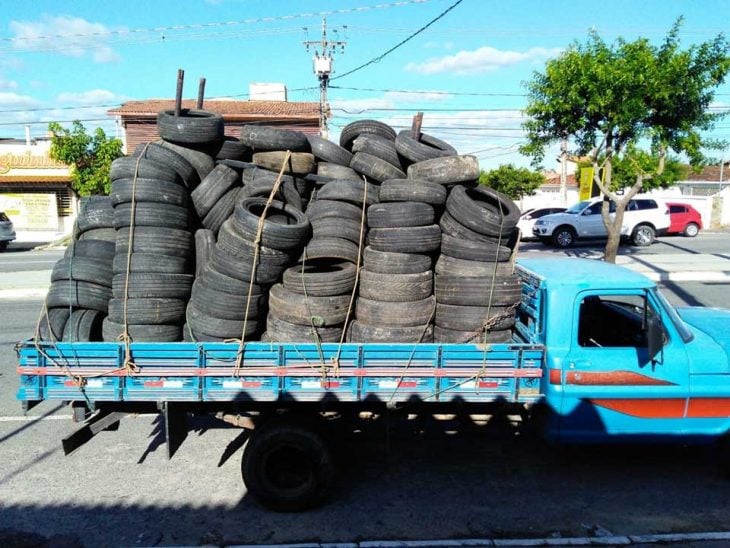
[[81, 282], [286, 237]]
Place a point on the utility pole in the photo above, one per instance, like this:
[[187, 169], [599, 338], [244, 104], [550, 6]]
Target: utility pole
[[324, 50]]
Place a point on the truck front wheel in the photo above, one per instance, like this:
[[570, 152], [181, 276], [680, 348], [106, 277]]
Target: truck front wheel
[[287, 467]]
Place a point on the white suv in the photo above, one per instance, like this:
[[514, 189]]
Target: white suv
[[644, 219], [7, 232]]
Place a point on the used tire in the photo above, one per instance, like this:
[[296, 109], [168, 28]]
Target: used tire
[[443, 335], [83, 326], [360, 332], [148, 190], [413, 190], [379, 147], [352, 191], [337, 171], [390, 262], [150, 262], [95, 212], [424, 148], [404, 314], [151, 214], [327, 151], [148, 311], [412, 239], [147, 284], [162, 241], [477, 290], [192, 126], [240, 266], [210, 300], [112, 331], [280, 330], [204, 244], [452, 227], [168, 157], [299, 163], [222, 209], [233, 149], [202, 323], [334, 227], [52, 322], [447, 170], [461, 267], [97, 271], [72, 293], [210, 190], [91, 249], [395, 287], [284, 226], [319, 209], [105, 234], [375, 168], [474, 251], [473, 318], [330, 248], [300, 309], [202, 162], [364, 127], [320, 278], [129, 167], [400, 214], [271, 138], [483, 210]]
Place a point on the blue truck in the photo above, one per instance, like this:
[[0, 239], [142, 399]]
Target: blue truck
[[598, 355]]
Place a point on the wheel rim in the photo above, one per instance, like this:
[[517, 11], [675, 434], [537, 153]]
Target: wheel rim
[[289, 469], [643, 236], [564, 238], [691, 230]]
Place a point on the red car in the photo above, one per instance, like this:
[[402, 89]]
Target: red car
[[684, 219]]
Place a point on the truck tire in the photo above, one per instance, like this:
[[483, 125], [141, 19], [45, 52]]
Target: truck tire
[[471, 250], [411, 239], [171, 158], [84, 326], [210, 189], [477, 290], [375, 168], [148, 311], [321, 278], [76, 294], [425, 148], [379, 147], [364, 127], [401, 314], [260, 138], [300, 309], [299, 163], [395, 287], [112, 331], [483, 210], [352, 191], [282, 331], [446, 265], [151, 263], [287, 467], [391, 262], [329, 152], [400, 214], [643, 235], [447, 170], [149, 190], [97, 271], [413, 190], [191, 127], [564, 237], [152, 214], [360, 332], [330, 248]]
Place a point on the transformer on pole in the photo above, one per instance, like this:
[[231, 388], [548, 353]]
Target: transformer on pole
[[322, 64]]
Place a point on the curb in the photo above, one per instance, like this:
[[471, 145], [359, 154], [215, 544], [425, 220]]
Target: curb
[[23, 293], [617, 540]]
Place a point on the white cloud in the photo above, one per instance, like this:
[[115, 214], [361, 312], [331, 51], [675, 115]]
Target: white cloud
[[390, 99], [72, 36], [91, 97], [12, 101], [484, 59], [8, 84]]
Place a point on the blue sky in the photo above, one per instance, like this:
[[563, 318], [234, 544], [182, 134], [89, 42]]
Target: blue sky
[[75, 60]]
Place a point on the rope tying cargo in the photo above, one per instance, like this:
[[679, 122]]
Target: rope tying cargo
[[257, 246]]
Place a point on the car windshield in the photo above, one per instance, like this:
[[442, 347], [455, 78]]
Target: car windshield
[[577, 208]]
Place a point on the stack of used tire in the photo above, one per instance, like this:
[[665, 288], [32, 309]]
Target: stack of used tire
[[475, 286], [153, 192], [81, 282]]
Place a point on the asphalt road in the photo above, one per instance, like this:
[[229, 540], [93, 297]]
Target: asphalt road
[[414, 483]]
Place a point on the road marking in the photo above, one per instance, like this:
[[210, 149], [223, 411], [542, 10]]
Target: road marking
[[31, 419]]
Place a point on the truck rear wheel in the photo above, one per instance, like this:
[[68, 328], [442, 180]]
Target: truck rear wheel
[[287, 467]]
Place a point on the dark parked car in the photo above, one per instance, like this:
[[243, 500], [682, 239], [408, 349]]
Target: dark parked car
[[7, 232], [684, 219]]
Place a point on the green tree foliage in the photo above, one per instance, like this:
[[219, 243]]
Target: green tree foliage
[[90, 156], [512, 181], [610, 98]]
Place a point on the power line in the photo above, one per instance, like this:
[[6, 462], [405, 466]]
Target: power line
[[399, 44], [426, 92]]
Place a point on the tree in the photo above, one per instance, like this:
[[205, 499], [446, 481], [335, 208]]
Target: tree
[[512, 181], [90, 156], [610, 99]]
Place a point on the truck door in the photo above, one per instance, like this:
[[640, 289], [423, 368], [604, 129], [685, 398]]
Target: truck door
[[612, 386]]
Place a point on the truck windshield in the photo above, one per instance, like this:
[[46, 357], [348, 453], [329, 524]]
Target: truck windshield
[[577, 208], [682, 328]]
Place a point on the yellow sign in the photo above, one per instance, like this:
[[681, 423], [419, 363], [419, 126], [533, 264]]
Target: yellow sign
[[31, 211], [26, 161], [586, 183]]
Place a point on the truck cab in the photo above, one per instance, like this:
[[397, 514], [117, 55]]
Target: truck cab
[[622, 364]]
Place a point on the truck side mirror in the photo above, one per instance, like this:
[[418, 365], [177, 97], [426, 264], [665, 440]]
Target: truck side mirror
[[654, 335]]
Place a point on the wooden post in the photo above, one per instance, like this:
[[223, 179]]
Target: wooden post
[[416, 126], [201, 94], [178, 93]]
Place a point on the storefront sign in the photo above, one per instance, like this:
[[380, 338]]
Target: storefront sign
[[31, 211], [26, 161]]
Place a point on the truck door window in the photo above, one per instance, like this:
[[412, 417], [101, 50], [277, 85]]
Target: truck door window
[[613, 320]]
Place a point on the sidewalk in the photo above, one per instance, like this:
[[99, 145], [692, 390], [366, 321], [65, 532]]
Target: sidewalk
[[680, 267]]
